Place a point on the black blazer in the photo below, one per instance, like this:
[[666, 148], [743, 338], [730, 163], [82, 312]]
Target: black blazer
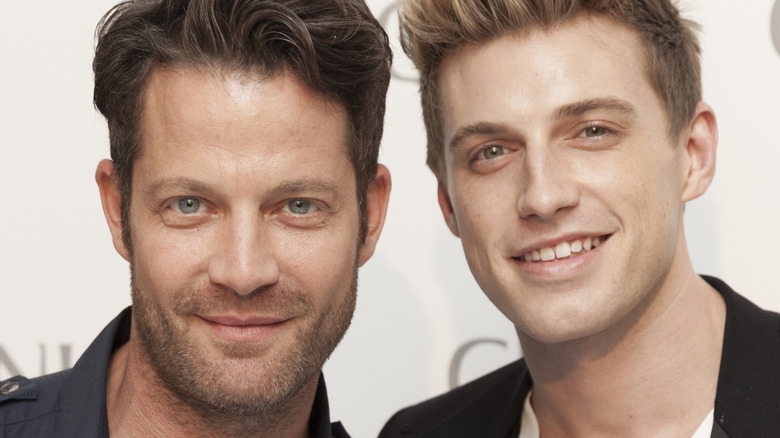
[[747, 403]]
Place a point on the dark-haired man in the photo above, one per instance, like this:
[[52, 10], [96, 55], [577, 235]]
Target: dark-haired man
[[567, 137], [244, 191]]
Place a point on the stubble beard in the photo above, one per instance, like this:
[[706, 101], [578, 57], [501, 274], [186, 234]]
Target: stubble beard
[[255, 389]]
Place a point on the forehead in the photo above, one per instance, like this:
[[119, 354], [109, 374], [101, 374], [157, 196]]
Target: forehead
[[174, 93], [219, 107], [221, 124], [534, 73]]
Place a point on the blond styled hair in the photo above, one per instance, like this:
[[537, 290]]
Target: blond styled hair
[[431, 30]]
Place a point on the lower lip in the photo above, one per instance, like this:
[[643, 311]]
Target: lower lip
[[243, 333], [562, 268]]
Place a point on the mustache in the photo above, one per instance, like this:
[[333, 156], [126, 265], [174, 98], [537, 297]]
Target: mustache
[[276, 299], [211, 299]]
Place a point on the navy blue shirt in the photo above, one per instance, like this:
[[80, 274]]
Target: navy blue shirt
[[72, 403]]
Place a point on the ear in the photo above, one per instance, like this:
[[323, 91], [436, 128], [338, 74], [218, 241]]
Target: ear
[[377, 200], [445, 203], [111, 200], [701, 147]]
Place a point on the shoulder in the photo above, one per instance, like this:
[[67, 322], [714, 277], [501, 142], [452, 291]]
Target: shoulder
[[337, 430], [31, 407], [747, 402], [738, 306], [70, 403], [488, 406], [749, 329]]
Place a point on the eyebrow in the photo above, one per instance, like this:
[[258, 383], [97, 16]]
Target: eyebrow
[[480, 128], [563, 112], [577, 109], [307, 186], [179, 184], [285, 189]]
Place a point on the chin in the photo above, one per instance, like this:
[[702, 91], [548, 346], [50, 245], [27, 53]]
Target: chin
[[553, 328]]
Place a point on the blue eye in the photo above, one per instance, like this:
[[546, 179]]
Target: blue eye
[[299, 206], [492, 152], [189, 205]]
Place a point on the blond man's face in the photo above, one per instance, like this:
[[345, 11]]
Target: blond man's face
[[561, 179]]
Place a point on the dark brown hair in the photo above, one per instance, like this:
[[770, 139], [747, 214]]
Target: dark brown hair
[[431, 30], [336, 47]]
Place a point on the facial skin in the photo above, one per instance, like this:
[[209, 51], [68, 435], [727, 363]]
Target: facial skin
[[557, 136], [245, 237]]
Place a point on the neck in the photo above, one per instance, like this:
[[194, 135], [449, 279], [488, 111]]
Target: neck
[[661, 363], [140, 404]]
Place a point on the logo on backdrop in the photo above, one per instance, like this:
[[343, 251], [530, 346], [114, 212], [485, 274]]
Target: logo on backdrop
[[455, 378], [775, 26], [402, 69], [460, 354], [9, 367]]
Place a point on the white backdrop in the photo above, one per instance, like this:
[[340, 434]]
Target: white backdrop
[[419, 311]]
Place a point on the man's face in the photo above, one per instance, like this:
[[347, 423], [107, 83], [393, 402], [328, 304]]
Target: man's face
[[245, 236], [562, 181]]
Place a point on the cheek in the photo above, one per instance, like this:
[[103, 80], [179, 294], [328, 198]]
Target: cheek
[[643, 176], [166, 261], [318, 259], [647, 203], [482, 226], [485, 206], [658, 190]]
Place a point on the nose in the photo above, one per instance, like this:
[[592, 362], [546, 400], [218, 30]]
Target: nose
[[244, 259], [548, 184]]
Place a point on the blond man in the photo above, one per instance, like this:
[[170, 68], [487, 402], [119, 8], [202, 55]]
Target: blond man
[[567, 137]]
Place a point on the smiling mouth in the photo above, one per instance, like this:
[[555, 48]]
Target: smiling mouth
[[244, 330], [563, 250], [231, 321]]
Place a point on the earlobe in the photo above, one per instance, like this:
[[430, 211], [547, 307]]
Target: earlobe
[[701, 148], [445, 203], [377, 200], [111, 201]]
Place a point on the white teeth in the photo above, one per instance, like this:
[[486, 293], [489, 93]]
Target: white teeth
[[562, 250], [587, 244], [547, 254]]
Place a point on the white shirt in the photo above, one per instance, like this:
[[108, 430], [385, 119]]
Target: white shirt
[[529, 426]]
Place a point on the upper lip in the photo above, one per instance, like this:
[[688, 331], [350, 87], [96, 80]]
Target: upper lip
[[552, 242], [243, 320]]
